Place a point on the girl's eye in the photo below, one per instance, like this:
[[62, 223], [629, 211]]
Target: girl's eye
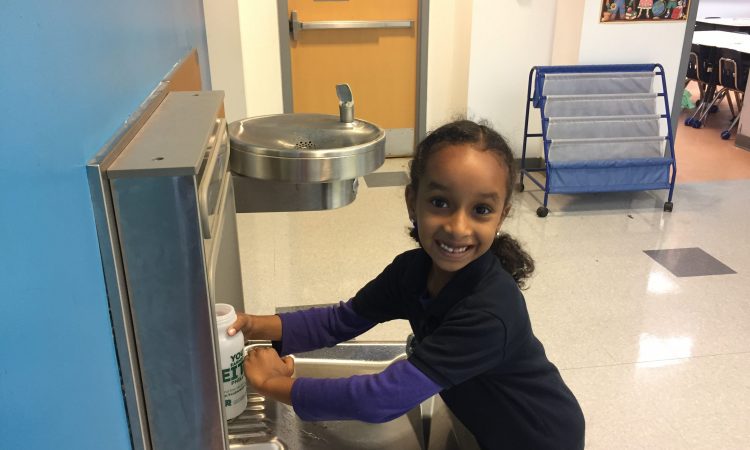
[[439, 203], [483, 210]]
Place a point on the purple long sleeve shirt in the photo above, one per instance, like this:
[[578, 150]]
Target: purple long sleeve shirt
[[370, 398]]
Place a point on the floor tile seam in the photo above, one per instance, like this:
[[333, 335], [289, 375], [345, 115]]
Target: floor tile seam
[[596, 366]]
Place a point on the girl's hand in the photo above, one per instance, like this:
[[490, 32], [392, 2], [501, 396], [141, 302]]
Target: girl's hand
[[243, 323], [263, 365], [256, 327]]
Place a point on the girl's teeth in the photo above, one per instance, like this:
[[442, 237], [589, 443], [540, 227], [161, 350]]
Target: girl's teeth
[[451, 249]]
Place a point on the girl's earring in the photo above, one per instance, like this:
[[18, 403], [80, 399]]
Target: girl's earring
[[497, 234]]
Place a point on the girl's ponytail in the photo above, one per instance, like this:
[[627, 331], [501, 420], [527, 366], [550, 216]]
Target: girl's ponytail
[[513, 258]]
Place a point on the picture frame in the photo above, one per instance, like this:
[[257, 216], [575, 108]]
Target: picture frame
[[652, 11]]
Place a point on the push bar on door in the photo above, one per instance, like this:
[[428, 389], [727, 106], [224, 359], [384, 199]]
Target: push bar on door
[[295, 26]]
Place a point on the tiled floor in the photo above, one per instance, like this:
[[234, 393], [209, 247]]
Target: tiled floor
[[657, 361]]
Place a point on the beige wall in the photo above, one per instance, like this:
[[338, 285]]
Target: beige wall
[[566, 39], [243, 53], [261, 58], [225, 54], [448, 60], [507, 40]]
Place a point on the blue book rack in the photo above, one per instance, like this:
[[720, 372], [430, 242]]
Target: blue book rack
[[603, 130]]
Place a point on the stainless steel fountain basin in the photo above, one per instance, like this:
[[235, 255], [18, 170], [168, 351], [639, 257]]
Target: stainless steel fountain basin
[[253, 195], [305, 148], [274, 419], [428, 426]]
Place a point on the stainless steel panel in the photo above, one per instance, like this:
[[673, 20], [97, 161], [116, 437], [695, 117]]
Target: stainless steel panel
[[154, 218], [173, 319], [163, 149]]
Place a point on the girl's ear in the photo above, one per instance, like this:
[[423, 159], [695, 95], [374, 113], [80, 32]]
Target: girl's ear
[[411, 202]]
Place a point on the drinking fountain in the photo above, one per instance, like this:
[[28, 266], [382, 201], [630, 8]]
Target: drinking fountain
[[303, 161]]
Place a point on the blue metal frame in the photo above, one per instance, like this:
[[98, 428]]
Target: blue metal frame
[[536, 99]]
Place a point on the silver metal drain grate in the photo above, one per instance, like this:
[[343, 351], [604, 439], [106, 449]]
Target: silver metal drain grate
[[305, 145]]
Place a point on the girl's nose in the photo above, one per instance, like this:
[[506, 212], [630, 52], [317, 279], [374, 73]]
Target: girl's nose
[[458, 224]]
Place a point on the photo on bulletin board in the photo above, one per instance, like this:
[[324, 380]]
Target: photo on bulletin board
[[654, 11]]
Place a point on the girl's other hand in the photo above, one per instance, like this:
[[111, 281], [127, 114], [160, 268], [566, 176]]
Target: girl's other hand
[[263, 364], [243, 323]]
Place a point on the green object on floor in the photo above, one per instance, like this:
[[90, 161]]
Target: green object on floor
[[687, 100]]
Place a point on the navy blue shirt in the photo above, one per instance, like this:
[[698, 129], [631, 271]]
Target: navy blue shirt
[[475, 340]]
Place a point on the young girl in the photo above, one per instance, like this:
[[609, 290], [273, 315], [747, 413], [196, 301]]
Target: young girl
[[460, 292]]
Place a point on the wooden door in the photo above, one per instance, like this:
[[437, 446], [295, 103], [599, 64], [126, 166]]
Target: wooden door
[[379, 64]]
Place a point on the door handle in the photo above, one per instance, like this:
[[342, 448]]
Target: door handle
[[295, 26]]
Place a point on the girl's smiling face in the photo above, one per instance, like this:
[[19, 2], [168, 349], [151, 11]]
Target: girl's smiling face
[[458, 207]]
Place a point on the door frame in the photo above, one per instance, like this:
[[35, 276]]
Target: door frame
[[687, 42], [423, 14]]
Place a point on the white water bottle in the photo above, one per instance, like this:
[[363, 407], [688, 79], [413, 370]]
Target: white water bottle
[[231, 355]]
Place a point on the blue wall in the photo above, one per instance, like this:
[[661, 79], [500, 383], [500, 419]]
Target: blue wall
[[70, 74]]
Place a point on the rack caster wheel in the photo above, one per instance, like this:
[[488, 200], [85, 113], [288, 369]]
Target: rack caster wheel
[[520, 187], [668, 206], [713, 109], [696, 124], [542, 211], [726, 134], [689, 121]]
